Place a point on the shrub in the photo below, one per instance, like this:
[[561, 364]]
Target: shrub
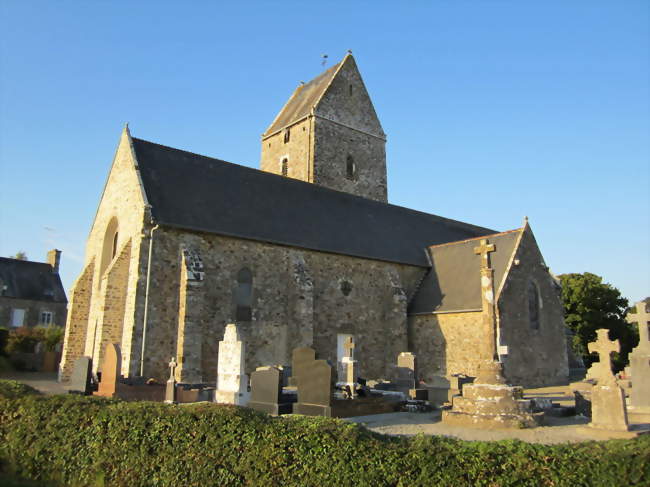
[[23, 339], [12, 389], [51, 336], [4, 336], [70, 440]]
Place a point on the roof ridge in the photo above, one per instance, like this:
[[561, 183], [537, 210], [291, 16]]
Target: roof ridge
[[498, 234]]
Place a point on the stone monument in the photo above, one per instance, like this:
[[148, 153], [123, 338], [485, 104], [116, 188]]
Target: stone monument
[[232, 382], [80, 381], [349, 368], [640, 360], [170, 388], [315, 380], [608, 409], [299, 357], [266, 392], [489, 402], [111, 371]]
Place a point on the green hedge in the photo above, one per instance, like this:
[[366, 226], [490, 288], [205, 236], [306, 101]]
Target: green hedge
[[71, 440]]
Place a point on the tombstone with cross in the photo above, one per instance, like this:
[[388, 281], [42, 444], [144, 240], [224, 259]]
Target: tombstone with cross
[[170, 389], [640, 359], [608, 409], [349, 366]]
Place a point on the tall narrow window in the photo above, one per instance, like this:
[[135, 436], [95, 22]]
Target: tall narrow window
[[244, 295], [349, 168], [285, 166], [350, 89], [533, 305], [287, 135], [114, 245]]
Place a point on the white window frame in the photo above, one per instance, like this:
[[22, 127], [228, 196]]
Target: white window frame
[[49, 315], [18, 312]]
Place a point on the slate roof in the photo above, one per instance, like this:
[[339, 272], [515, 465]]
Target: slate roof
[[454, 281], [30, 280], [302, 100], [199, 193]]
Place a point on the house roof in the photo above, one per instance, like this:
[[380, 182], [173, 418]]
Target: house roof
[[454, 281], [303, 100], [30, 280], [199, 193]]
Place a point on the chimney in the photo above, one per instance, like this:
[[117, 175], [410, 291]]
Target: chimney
[[53, 258]]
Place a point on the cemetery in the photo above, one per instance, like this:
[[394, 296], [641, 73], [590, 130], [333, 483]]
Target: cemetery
[[284, 416]]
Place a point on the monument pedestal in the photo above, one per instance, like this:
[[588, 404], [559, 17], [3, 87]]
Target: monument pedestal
[[608, 408], [312, 409], [492, 406], [238, 398]]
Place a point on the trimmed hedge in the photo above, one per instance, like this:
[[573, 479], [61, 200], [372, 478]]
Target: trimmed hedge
[[72, 440]]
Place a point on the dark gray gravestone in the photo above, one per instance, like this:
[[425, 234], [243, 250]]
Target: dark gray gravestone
[[81, 374], [266, 392], [315, 389], [300, 357]]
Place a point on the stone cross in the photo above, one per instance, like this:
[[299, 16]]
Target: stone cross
[[348, 345], [484, 251], [603, 346], [641, 317], [172, 369]]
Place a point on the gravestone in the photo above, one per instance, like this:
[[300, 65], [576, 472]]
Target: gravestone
[[315, 380], [607, 398], [640, 360], [299, 357], [111, 369], [266, 392], [80, 380], [170, 388], [232, 381], [349, 368]]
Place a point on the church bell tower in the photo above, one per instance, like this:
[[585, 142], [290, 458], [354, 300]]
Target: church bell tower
[[328, 134]]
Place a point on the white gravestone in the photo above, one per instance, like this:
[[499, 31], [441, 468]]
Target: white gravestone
[[232, 382]]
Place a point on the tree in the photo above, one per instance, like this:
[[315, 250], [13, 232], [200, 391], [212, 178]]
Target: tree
[[590, 304], [20, 255]]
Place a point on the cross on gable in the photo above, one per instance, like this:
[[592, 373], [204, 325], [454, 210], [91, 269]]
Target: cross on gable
[[641, 317], [603, 346], [484, 251], [348, 345]]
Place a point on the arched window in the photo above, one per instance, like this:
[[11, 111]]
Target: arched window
[[533, 305], [109, 246], [285, 166], [244, 295], [349, 167]]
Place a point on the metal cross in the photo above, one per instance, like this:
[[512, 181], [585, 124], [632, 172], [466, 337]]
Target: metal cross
[[603, 346], [172, 368], [641, 317], [484, 251], [349, 347]]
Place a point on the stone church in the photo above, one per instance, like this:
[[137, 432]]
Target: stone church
[[304, 252]]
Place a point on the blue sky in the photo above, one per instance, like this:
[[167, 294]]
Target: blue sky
[[494, 109]]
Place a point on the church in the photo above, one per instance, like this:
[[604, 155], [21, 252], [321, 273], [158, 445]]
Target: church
[[305, 251]]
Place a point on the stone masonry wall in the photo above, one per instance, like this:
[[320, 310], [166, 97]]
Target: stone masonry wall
[[74, 341], [297, 150], [299, 298], [114, 291], [446, 343], [536, 357], [33, 311]]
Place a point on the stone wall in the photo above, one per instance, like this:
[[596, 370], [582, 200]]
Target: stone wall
[[536, 357], [74, 341], [33, 311], [446, 343], [297, 150], [299, 298]]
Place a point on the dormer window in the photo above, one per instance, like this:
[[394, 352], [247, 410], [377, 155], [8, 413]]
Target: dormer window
[[285, 166], [287, 135], [350, 168]]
